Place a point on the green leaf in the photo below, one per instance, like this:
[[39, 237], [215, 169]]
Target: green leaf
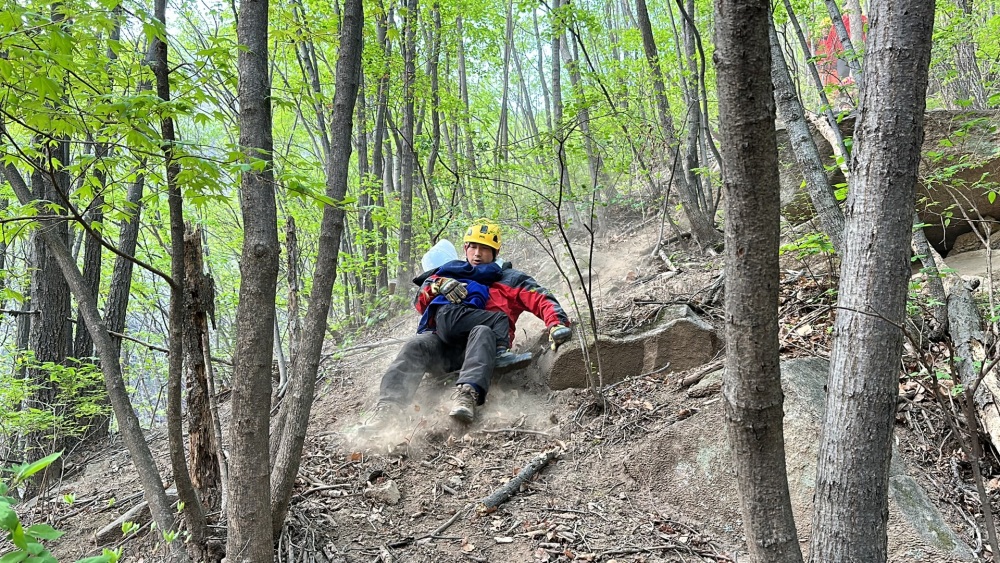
[[43, 532], [28, 470], [14, 557], [992, 196], [8, 519]]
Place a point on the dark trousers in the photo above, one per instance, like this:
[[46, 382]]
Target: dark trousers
[[454, 323], [428, 353]]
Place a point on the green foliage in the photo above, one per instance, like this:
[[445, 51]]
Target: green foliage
[[28, 540], [81, 396], [809, 244]]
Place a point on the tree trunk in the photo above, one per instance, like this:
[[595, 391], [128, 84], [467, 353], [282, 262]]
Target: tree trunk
[[702, 226], [50, 336], [541, 74], [199, 295], [193, 511], [851, 500], [249, 509], [405, 149], [378, 160], [831, 218], [83, 344], [752, 383], [807, 54], [299, 399], [435, 103]]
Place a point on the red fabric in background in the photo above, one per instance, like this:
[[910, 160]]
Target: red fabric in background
[[829, 49]]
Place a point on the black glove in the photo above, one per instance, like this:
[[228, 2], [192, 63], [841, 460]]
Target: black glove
[[558, 335], [452, 289]]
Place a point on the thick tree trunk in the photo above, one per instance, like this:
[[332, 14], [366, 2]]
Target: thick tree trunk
[[831, 218], [50, 336], [249, 509], [299, 399], [851, 500], [752, 382]]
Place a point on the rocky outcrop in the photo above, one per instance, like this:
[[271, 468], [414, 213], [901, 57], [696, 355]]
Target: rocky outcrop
[[679, 341], [959, 173], [687, 469]]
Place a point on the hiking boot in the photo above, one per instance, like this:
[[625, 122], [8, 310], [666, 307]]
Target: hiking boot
[[464, 403], [384, 413], [509, 361]]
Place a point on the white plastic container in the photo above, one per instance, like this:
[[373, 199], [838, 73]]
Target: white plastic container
[[439, 254]]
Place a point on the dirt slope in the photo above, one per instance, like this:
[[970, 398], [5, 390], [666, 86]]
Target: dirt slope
[[395, 498]]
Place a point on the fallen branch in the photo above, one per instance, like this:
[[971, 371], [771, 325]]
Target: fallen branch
[[699, 375], [668, 547], [516, 431], [502, 494]]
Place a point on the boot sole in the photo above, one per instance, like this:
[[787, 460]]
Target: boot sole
[[518, 364]]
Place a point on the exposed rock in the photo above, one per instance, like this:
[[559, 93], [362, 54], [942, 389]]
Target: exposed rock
[[385, 491], [958, 172], [680, 340], [688, 465]]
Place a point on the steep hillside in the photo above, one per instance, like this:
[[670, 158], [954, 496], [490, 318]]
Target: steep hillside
[[641, 476]]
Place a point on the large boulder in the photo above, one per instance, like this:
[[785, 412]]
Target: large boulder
[[959, 171], [689, 465], [679, 341]]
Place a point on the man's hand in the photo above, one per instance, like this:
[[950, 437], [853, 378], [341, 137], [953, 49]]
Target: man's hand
[[452, 289], [558, 335]]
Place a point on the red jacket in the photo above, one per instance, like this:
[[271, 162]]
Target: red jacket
[[515, 293]]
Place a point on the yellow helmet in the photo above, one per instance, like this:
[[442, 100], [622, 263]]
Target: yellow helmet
[[485, 232]]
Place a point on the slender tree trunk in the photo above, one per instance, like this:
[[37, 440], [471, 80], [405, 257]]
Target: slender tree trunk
[[406, 154], [851, 501], [249, 510], [378, 160], [807, 53], [752, 383], [702, 226], [831, 218], [968, 85], [539, 58], [299, 399], [435, 102], [193, 511], [503, 130]]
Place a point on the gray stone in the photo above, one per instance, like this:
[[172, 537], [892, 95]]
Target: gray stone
[[680, 340], [687, 469]]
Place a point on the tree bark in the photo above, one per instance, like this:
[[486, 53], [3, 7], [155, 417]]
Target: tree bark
[[298, 401], [752, 381], [851, 500], [831, 218], [50, 336], [249, 510], [199, 294]]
